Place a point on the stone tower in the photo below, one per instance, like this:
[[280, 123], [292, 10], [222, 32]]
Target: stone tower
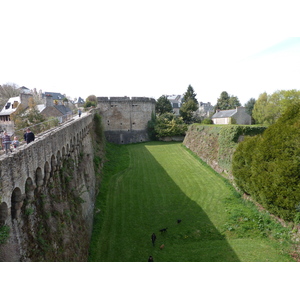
[[125, 119]]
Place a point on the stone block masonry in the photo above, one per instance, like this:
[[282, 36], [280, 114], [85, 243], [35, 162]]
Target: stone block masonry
[[48, 187], [125, 119], [47, 194]]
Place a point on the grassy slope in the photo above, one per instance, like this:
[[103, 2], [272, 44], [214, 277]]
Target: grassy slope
[[157, 183]]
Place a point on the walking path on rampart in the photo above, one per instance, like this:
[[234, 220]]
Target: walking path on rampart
[[41, 135]]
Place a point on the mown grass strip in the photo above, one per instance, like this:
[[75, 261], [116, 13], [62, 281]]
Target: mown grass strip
[[147, 187]]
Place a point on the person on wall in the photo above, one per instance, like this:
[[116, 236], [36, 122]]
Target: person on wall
[[15, 142], [29, 136], [6, 142]]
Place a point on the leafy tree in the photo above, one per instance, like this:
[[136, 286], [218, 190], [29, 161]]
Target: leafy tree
[[90, 101], [28, 117], [234, 102], [249, 108], [189, 105], [268, 108], [267, 166], [190, 95], [259, 109], [226, 102], [187, 110], [163, 105], [168, 124], [287, 98], [151, 127]]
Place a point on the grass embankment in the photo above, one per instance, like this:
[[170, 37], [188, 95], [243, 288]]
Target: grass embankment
[[147, 187]]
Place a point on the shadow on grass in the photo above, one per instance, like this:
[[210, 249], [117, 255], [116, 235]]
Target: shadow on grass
[[144, 199], [195, 238]]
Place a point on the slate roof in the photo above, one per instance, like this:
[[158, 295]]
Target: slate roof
[[63, 109], [55, 96], [224, 114], [79, 100]]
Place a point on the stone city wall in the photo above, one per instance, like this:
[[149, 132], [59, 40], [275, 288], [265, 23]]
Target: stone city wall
[[47, 194]]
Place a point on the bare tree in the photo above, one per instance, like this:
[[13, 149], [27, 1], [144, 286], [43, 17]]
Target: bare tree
[[7, 91]]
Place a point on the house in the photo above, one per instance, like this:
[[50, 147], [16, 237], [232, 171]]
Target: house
[[11, 106], [25, 90], [79, 102], [232, 116], [57, 98], [205, 109], [50, 109], [176, 101]]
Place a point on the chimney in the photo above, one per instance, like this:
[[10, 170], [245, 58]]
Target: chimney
[[240, 108], [25, 99], [49, 101]]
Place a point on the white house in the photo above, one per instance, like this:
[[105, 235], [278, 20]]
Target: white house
[[232, 116], [176, 101], [10, 107]]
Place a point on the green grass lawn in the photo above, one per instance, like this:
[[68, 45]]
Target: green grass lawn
[[148, 186]]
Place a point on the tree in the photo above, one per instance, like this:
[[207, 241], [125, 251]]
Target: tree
[[189, 105], [190, 95], [151, 127], [163, 105], [168, 124], [187, 111], [234, 102], [226, 102], [268, 108], [28, 117], [90, 101], [259, 108], [8, 91], [249, 108], [267, 166]]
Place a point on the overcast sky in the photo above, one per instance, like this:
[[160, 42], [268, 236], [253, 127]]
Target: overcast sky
[[150, 48]]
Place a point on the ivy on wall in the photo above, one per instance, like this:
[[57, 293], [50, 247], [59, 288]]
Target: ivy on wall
[[219, 141]]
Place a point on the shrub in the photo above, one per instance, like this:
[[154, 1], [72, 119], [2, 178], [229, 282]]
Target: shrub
[[169, 125], [207, 121], [267, 167]]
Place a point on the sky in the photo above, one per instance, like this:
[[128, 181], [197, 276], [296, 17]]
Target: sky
[[150, 48]]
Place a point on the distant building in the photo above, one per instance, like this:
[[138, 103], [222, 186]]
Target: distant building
[[25, 90], [176, 101], [11, 106], [79, 102], [51, 109], [57, 98], [205, 110], [232, 116]]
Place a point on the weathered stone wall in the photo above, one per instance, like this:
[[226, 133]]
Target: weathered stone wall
[[47, 194], [216, 144], [125, 119]]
